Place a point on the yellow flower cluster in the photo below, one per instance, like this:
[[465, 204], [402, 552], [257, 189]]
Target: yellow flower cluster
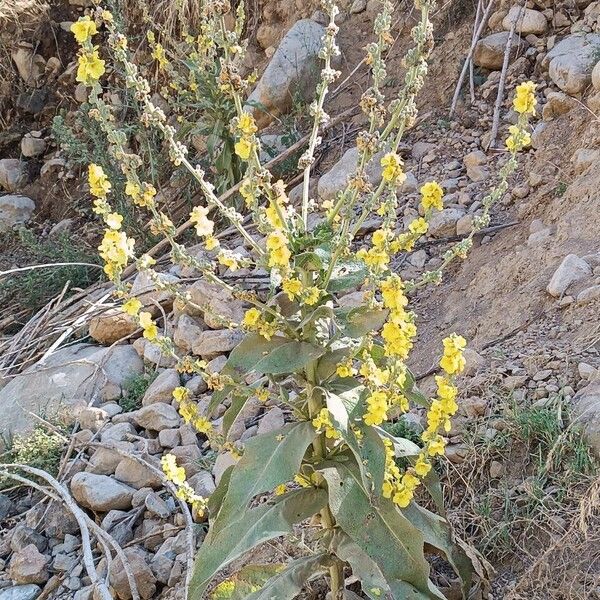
[[246, 144], [292, 288], [185, 492], [453, 361], [90, 67], [279, 253], [159, 54], [148, 325], [188, 410], [141, 195], [254, 321], [322, 422], [377, 407], [392, 169], [400, 487], [525, 102], [199, 217], [518, 138], [432, 196], [84, 29]]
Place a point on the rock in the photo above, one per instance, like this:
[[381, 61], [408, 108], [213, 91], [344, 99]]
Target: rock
[[30, 66], [583, 158], [169, 438], [218, 305], [157, 417], [513, 382], [196, 385], [138, 476], [146, 291], [212, 343], [161, 389], [223, 462], [420, 149], [111, 326], [15, 210], [142, 573], [572, 270], [157, 506], [32, 101], [23, 536], [443, 223], [496, 469], [557, 104], [336, 178], [271, 421], [474, 362], [119, 432], [7, 507], [530, 21], [586, 371], [188, 457], [358, 6], [203, 483], [75, 374], [13, 174], [489, 51], [186, 332], [571, 61], [29, 565], [589, 294], [105, 461], [586, 411], [153, 354], [410, 184], [100, 493], [293, 70], [21, 592], [32, 145], [474, 163], [596, 76], [464, 225], [456, 453], [161, 566]]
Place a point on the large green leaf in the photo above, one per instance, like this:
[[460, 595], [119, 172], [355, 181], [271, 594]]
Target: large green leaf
[[289, 583], [412, 392], [272, 357], [238, 402], [384, 534], [347, 275], [358, 322], [243, 583], [252, 527], [438, 533], [328, 363], [269, 460]]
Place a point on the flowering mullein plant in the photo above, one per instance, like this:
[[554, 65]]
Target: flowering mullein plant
[[340, 369]]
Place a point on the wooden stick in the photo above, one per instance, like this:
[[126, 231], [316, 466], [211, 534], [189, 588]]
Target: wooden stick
[[500, 95], [471, 70], [469, 57]]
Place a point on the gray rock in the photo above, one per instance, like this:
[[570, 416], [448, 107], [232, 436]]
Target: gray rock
[[214, 342], [203, 483], [32, 145], [294, 70], [443, 223], [111, 326], [596, 76], [100, 493], [186, 332], [271, 421], [571, 270], [157, 417], [557, 104], [583, 158], [161, 389], [145, 290], [24, 536], [74, 375], [589, 294], [169, 438], [15, 210], [489, 51], [144, 578], [21, 592], [586, 411], [30, 66], [137, 475], [571, 62], [7, 507], [530, 21]]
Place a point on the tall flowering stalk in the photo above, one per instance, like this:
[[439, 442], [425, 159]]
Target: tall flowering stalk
[[342, 371]]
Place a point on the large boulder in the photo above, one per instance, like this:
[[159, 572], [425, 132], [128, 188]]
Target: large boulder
[[15, 210], [571, 270], [101, 493], [293, 71], [571, 62], [21, 592], [527, 21], [72, 376], [489, 51]]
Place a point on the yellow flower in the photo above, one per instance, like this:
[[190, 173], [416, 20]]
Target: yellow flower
[[377, 407], [322, 422], [148, 325], [422, 466], [453, 361], [246, 124], [173, 473], [204, 226], [436, 446], [525, 101], [181, 394], [311, 295], [251, 318], [279, 254], [133, 190], [91, 67], [418, 226], [132, 307], [244, 148], [280, 489], [84, 29], [345, 369], [518, 138], [113, 220], [402, 497], [211, 242], [98, 181], [392, 168], [379, 238], [273, 218], [292, 287], [432, 195], [159, 55]]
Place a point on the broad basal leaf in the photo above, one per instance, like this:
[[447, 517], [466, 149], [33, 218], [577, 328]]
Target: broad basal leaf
[[358, 322], [412, 392], [271, 357], [347, 275], [269, 460], [252, 527], [384, 534], [287, 584], [328, 363], [242, 584]]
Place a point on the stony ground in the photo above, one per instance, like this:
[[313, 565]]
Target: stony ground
[[520, 476]]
